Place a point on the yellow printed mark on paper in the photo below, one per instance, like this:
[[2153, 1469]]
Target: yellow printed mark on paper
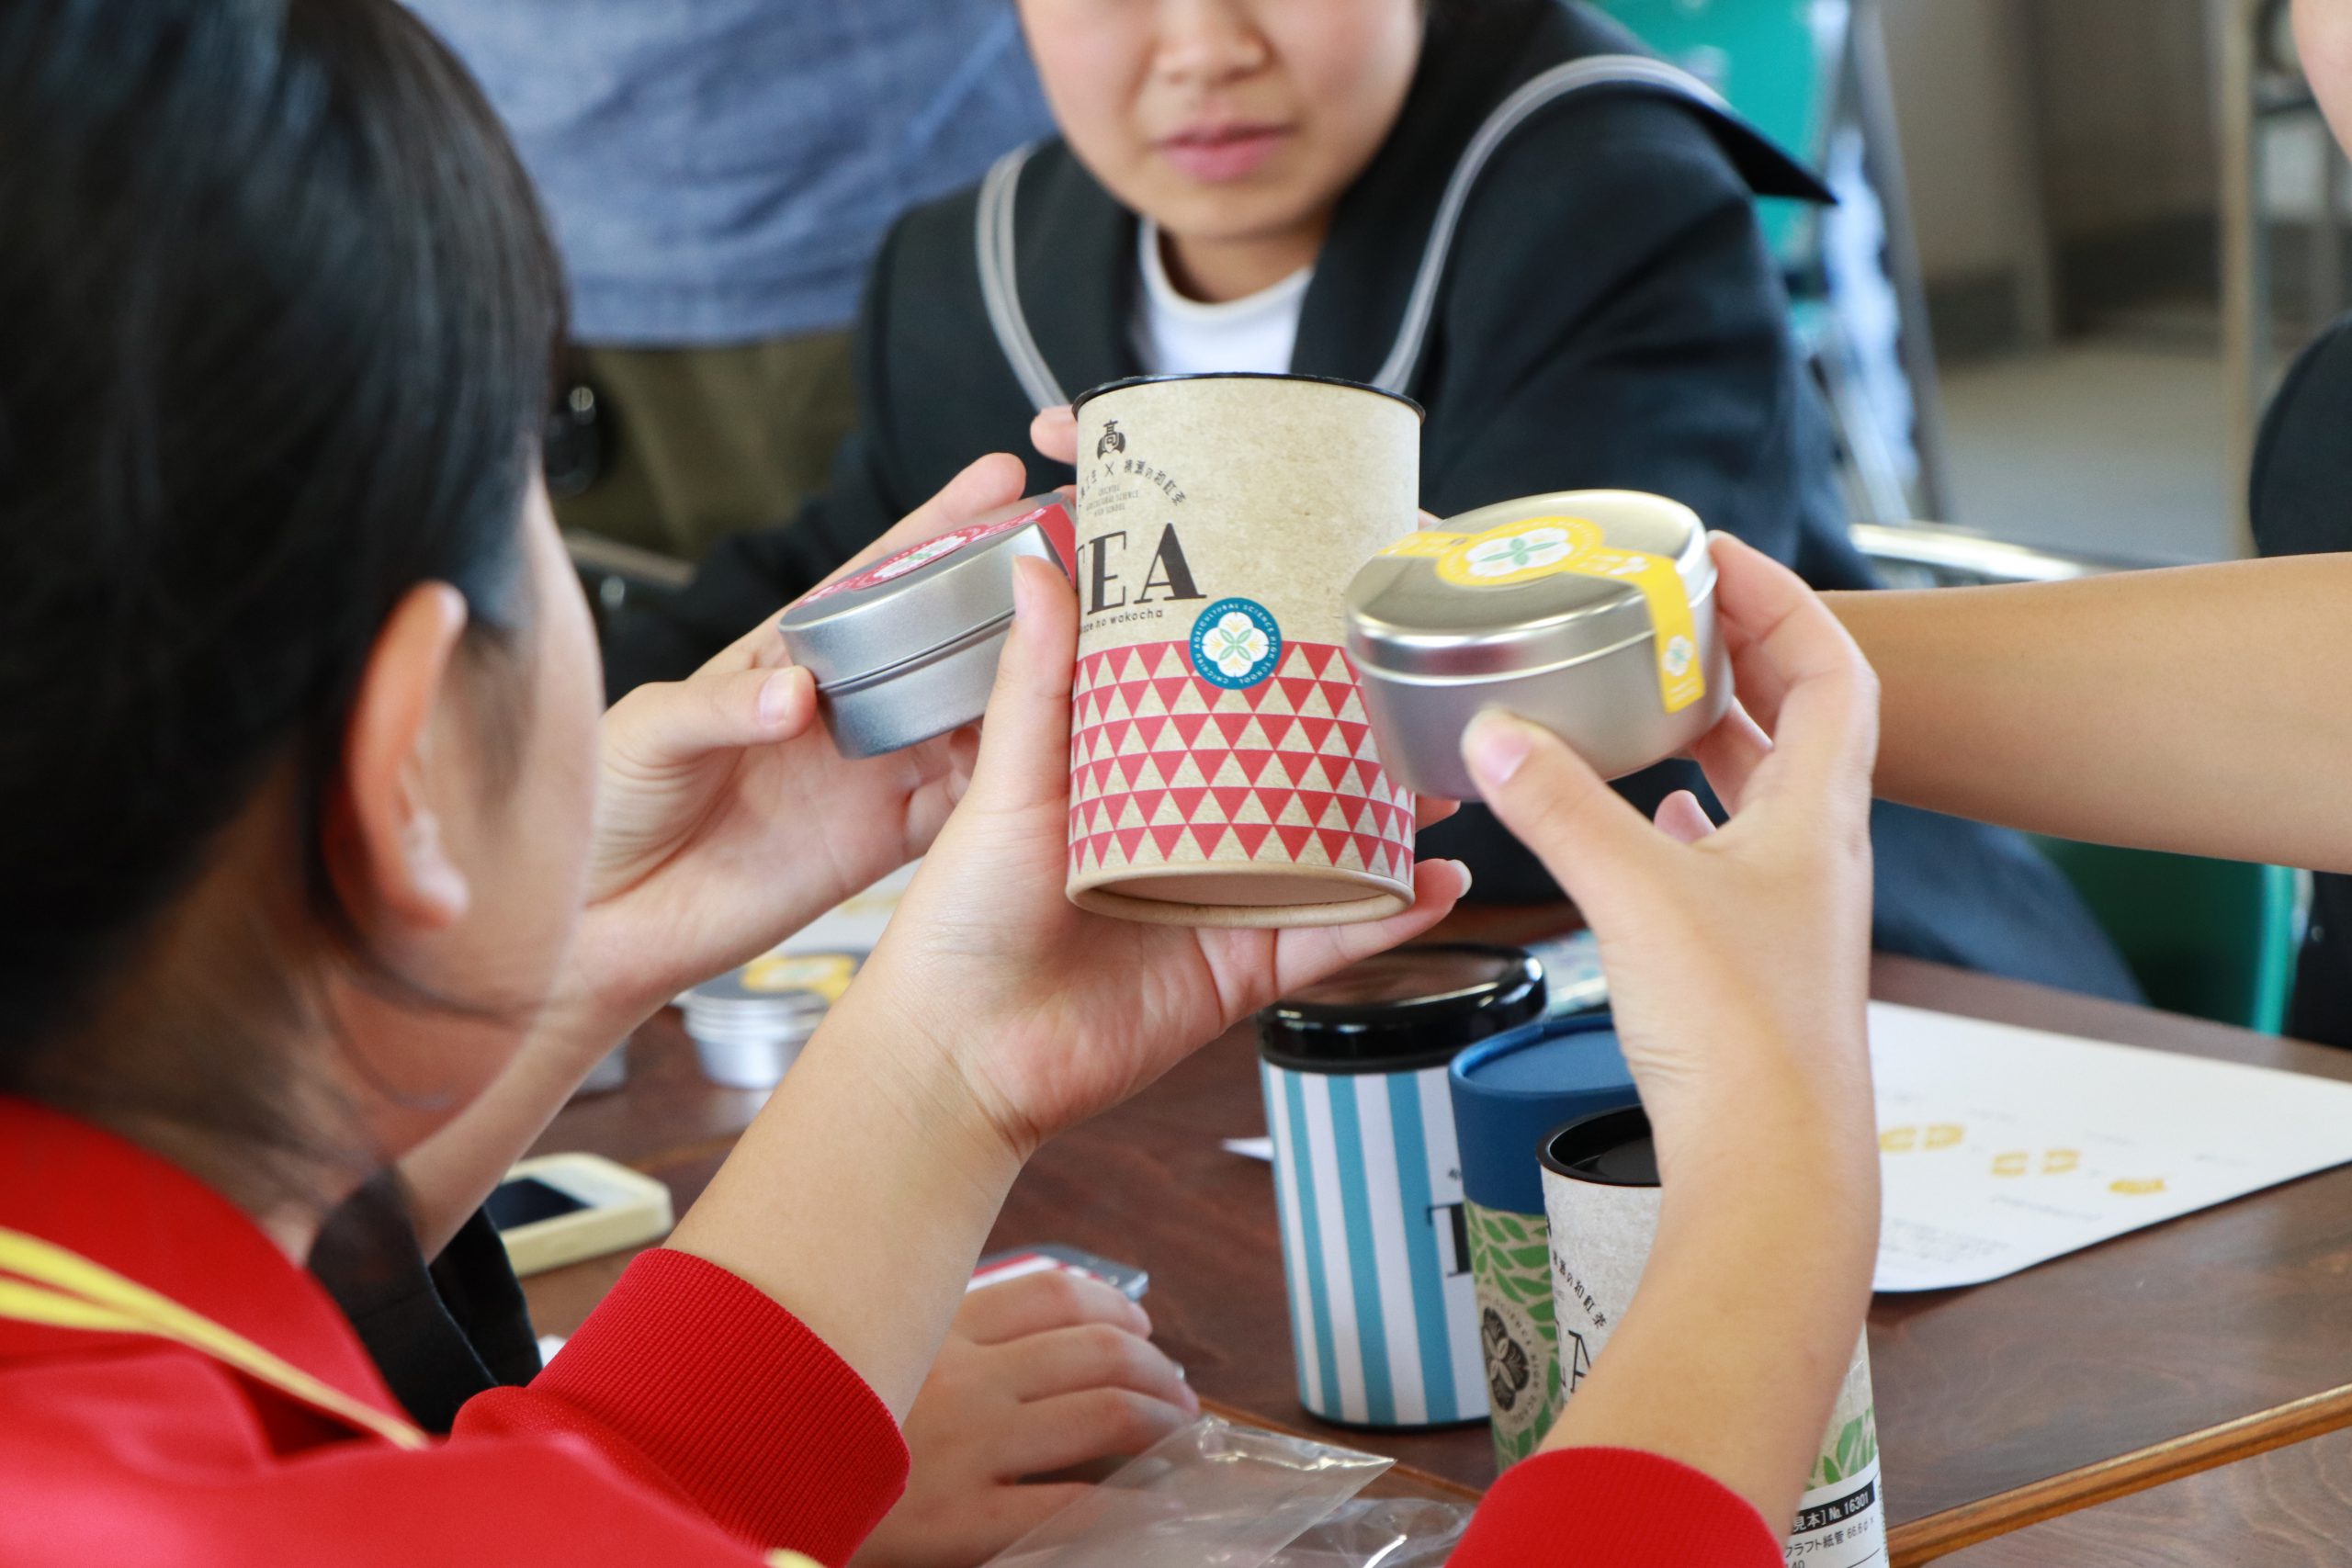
[[1535, 547], [827, 974], [2129, 1186], [2014, 1163], [1902, 1140], [2058, 1162]]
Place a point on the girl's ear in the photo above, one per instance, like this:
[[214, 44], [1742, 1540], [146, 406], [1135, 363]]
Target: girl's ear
[[385, 844]]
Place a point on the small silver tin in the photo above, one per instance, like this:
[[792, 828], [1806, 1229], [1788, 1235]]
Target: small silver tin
[[1573, 653], [747, 1035], [907, 649]]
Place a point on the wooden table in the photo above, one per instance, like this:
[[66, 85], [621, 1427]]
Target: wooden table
[[2038, 1396], [2285, 1509]]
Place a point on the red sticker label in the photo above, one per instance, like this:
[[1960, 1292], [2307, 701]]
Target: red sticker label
[[1052, 520]]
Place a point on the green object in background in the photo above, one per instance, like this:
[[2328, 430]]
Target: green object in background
[[1773, 60], [2213, 938], [1510, 1258]]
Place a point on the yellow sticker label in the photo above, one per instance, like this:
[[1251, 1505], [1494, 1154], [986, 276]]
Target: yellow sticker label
[[1424, 546], [1536, 547], [827, 974]]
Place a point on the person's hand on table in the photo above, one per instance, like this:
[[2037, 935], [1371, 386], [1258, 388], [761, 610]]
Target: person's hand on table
[[993, 1014], [1037, 1375], [1737, 963]]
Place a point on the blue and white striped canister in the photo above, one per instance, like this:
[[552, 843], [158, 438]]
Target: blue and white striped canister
[[1384, 1310]]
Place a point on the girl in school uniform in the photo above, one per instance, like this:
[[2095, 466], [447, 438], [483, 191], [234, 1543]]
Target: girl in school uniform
[[1503, 210], [308, 806]]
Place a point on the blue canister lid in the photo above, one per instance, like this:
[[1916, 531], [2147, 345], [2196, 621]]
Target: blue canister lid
[[1510, 1091]]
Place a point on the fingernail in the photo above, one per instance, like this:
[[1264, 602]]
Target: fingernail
[[1495, 745], [775, 698], [1463, 867]]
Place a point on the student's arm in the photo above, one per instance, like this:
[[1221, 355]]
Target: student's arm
[[1738, 962], [2197, 709], [755, 1363], [708, 853]]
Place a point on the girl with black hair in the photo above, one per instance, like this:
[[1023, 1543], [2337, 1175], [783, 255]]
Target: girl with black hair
[[302, 786]]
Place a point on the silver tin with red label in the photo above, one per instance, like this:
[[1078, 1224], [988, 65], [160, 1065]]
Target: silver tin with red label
[[907, 649]]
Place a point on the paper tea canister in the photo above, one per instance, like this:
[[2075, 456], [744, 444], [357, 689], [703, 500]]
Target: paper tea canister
[[1223, 768], [1383, 1317], [1507, 1093], [1600, 1189], [907, 647], [1592, 613]]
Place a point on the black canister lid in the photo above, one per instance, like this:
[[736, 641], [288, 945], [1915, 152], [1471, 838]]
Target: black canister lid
[[1613, 1149], [1415, 1007]]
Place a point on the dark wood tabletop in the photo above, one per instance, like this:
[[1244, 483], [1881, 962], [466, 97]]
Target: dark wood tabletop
[[2046, 1393]]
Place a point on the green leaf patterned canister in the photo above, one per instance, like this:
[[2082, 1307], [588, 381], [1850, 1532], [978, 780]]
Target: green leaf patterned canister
[[1507, 1093], [1600, 1189]]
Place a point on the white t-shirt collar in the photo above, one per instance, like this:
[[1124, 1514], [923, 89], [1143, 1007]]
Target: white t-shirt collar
[[1174, 336]]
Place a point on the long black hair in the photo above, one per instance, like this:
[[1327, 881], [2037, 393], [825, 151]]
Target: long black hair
[[277, 314]]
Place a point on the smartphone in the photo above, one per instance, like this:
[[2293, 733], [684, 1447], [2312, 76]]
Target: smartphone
[[560, 1209], [995, 1269]]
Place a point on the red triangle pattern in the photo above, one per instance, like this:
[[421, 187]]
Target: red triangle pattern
[[1159, 771]]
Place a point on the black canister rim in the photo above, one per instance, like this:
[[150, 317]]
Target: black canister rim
[[1305, 1035], [1581, 1150], [1124, 382]]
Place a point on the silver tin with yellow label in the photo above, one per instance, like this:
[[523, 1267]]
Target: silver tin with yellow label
[[1590, 611]]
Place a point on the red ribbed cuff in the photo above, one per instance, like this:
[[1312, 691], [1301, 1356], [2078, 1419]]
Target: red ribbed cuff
[[1617, 1507], [729, 1402]]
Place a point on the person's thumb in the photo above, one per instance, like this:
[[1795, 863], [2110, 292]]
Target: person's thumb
[[1587, 835], [1024, 739]]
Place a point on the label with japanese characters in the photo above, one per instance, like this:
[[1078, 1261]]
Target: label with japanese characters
[[1509, 1259], [1840, 1522], [1601, 1232]]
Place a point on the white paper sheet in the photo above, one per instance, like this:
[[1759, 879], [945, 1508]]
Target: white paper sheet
[[2003, 1148], [857, 925]]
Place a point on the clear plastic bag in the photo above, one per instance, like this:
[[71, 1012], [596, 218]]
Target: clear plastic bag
[[1380, 1532], [1213, 1495]]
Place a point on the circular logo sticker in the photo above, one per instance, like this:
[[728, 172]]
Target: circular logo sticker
[[1236, 644], [1512, 553], [1518, 552]]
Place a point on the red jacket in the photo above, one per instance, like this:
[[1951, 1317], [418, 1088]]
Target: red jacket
[[174, 1391]]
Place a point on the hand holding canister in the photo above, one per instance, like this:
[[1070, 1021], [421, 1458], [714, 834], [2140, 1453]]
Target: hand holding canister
[[1738, 962], [1590, 612]]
